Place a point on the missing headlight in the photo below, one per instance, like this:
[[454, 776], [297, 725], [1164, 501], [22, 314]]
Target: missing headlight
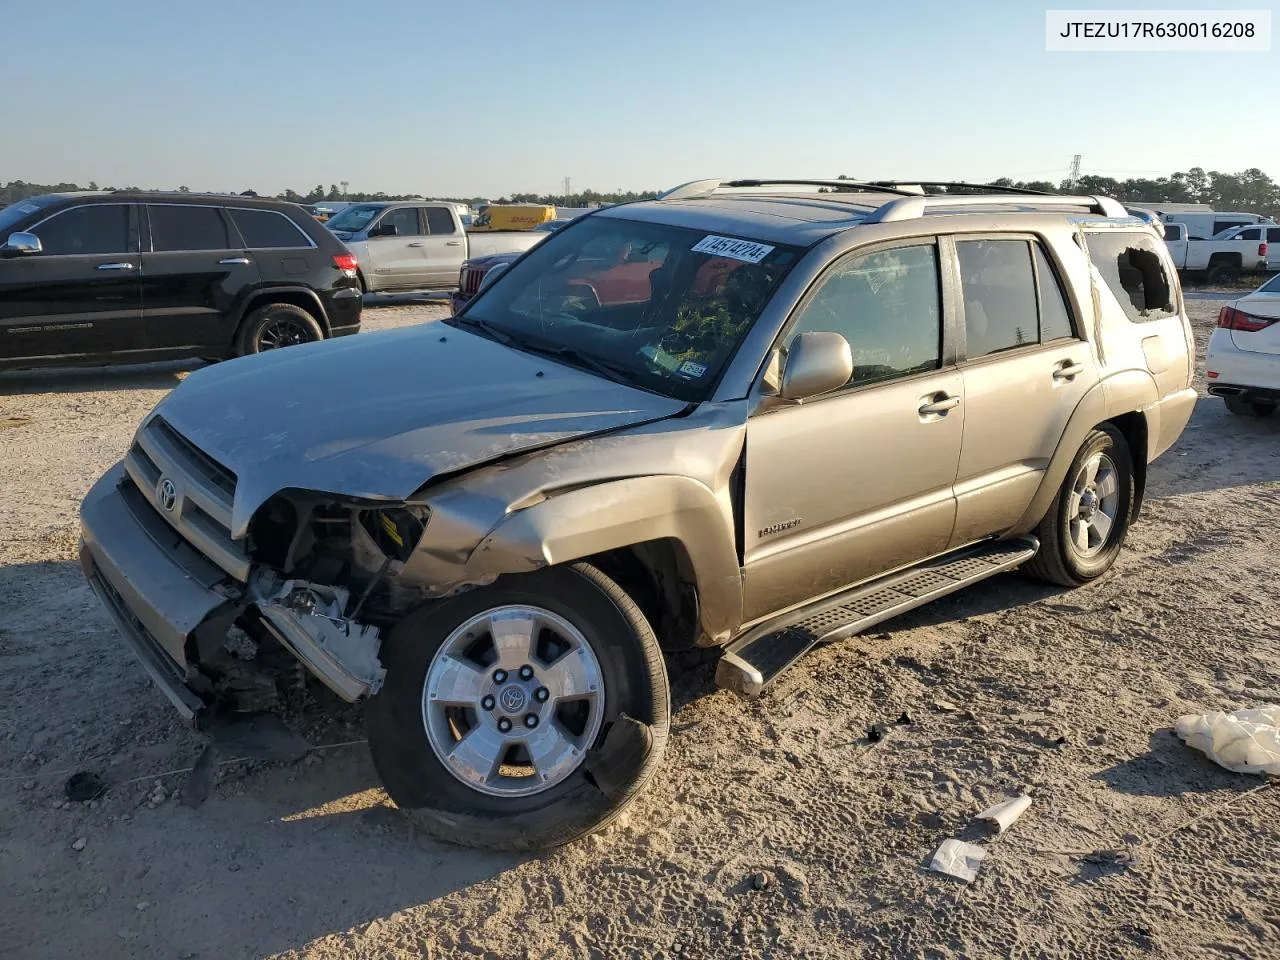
[[395, 530]]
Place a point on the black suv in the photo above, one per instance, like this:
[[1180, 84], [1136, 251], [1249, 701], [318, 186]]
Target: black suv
[[133, 277]]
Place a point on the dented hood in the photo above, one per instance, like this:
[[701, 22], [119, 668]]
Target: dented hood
[[378, 415]]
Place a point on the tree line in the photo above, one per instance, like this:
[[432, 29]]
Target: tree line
[[1248, 190]]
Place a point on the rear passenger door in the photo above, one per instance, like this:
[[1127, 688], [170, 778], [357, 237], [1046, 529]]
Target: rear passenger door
[[445, 247], [193, 273], [398, 248], [855, 483], [80, 295], [1025, 370]]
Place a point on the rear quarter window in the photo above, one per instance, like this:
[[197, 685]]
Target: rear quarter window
[[1134, 273], [265, 229]]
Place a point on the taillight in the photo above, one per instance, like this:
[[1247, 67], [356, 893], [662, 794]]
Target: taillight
[[1229, 318], [346, 262], [1262, 249]]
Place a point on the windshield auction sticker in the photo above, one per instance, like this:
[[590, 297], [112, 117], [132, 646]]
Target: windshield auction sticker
[[1157, 31], [745, 250]]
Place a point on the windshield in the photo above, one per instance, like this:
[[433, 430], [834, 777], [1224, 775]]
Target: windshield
[[16, 212], [355, 218], [660, 307]]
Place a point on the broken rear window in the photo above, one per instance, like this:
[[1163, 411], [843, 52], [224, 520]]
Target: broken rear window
[[1135, 274]]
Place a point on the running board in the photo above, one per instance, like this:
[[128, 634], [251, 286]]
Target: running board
[[755, 660]]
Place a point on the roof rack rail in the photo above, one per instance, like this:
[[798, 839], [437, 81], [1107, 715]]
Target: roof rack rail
[[705, 188], [953, 184], [909, 208]]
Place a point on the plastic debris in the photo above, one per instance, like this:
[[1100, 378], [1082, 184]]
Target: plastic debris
[[1246, 741], [1004, 813], [958, 859]]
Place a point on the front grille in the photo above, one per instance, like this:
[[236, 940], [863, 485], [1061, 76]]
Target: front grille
[[470, 281], [201, 496]]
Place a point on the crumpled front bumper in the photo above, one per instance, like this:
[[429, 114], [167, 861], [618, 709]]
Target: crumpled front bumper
[[159, 590]]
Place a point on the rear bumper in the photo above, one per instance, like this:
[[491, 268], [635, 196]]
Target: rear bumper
[[344, 308], [160, 592], [1228, 369]]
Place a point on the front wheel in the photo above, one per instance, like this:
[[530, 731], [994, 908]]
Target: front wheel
[[522, 715], [1081, 535], [1244, 407]]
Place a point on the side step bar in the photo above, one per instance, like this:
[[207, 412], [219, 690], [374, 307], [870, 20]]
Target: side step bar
[[759, 657]]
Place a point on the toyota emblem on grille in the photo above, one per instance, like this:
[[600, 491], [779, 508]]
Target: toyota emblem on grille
[[166, 494]]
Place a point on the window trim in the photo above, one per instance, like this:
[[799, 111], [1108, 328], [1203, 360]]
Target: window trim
[[150, 245], [231, 211], [135, 229], [1018, 350], [946, 303]]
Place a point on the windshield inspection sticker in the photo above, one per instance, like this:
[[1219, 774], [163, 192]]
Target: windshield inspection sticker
[[745, 250], [691, 369]]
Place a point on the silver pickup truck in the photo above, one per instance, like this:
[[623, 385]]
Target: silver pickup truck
[[755, 421], [417, 245]]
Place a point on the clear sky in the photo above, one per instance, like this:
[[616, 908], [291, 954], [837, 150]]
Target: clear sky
[[480, 97]]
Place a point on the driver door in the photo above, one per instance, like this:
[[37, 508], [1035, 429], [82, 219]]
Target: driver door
[[858, 482], [397, 248]]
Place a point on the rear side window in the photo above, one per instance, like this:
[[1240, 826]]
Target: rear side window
[[999, 295], [439, 220], [175, 228], [262, 229], [97, 229], [1055, 318], [1273, 235], [1132, 270]]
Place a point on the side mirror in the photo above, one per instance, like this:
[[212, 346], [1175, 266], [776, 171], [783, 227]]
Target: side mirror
[[21, 245], [385, 229], [493, 273], [817, 363]]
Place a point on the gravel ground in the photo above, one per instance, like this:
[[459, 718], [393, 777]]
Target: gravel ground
[[775, 829]]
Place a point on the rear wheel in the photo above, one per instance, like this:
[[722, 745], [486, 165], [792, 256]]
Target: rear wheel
[[1244, 407], [1223, 273], [1081, 535], [276, 325], [521, 715]]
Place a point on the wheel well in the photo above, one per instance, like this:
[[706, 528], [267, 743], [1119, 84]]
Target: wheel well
[[1133, 427], [659, 577], [298, 298], [1233, 259]]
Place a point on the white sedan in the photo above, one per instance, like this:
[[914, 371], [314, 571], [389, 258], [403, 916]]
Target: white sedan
[[1243, 366]]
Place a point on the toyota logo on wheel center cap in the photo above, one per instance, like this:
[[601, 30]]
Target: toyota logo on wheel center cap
[[166, 494], [513, 699]]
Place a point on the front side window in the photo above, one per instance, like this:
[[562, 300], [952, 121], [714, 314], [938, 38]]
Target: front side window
[[405, 221], [87, 231], [180, 228], [999, 295], [886, 304], [264, 229], [1249, 235], [657, 306], [1134, 273]]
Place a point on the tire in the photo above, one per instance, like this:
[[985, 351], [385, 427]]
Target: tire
[[1244, 407], [1223, 273], [276, 325], [1061, 558], [608, 766]]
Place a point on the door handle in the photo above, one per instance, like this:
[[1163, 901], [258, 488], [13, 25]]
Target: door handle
[[940, 406], [242, 261], [115, 266], [1068, 371], [453, 243], [416, 243]]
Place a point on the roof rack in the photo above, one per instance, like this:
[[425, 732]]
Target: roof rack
[[956, 184], [911, 202]]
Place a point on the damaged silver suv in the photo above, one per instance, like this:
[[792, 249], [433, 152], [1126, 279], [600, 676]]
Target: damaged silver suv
[[755, 415]]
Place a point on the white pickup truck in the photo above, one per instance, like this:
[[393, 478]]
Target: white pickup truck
[[417, 245], [1240, 250]]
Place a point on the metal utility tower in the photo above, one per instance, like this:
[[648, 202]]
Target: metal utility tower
[[344, 189], [566, 189], [1075, 170]]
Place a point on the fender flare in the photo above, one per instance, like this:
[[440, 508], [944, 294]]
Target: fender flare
[[1130, 391], [264, 294], [620, 514]]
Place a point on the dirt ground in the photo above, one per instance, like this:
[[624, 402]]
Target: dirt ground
[[775, 828]]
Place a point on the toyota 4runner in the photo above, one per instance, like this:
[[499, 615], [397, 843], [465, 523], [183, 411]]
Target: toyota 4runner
[[757, 415]]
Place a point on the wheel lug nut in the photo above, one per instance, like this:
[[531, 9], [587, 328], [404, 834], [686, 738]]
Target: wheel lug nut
[[530, 720], [526, 672], [541, 694], [504, 725], [499, 676], [488, 703]]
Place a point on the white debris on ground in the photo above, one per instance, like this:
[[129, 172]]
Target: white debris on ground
[[1004, 813], [958, 859], [1245, 741]]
